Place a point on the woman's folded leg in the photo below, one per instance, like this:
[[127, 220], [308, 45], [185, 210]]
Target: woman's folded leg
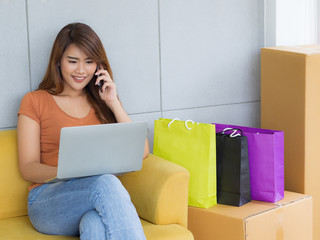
[[59, 207]]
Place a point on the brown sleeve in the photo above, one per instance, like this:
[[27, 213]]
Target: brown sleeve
[[28, 107]]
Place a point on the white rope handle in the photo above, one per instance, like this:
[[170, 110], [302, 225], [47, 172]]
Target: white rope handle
[[173, 121], [233, 134], [186, 122]]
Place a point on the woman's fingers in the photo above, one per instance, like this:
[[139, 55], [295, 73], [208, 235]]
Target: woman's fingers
[[102, 75], [108, 84]]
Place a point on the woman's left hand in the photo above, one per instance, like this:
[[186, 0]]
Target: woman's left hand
[[109, 91]]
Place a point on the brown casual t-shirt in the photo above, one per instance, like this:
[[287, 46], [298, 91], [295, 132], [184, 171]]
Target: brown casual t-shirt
[[41, 107]]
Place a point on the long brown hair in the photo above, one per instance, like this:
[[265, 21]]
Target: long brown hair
[[88, 41]]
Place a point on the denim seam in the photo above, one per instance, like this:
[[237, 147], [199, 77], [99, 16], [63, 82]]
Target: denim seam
[[108, 231], [98, 198]]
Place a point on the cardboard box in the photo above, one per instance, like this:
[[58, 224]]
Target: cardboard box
[[290, 101], [288, 219]]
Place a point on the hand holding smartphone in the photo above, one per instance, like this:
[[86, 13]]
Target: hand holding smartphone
[[107, 88]]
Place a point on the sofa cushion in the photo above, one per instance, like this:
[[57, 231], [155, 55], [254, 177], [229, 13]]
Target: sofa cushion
[[14, 190], [159, 191], [20, 228], [165, 232]]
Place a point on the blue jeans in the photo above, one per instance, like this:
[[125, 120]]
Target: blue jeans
[[96, 208]]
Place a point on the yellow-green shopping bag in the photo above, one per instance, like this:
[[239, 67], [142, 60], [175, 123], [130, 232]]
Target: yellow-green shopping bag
[[193, 146]]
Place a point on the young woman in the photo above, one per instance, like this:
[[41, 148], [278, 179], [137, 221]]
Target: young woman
[[93, 207]]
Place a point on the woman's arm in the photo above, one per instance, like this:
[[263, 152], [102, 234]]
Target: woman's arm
[[29, 152]]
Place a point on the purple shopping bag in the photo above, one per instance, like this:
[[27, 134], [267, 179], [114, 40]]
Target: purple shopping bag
[[266, 162]]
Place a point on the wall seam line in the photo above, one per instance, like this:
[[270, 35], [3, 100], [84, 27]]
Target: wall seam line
[[8, 128], [160, 70], [28, 41], [265, 22], [192, 108], [209, 106]]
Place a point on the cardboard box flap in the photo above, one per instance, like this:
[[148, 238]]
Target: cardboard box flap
[[291, 197], [300, 49]]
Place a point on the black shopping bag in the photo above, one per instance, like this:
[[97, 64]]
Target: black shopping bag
[[233, 177]]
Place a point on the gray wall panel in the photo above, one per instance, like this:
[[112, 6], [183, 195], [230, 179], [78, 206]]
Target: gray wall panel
[[14, 65], [245, 114], [210, 52], [147, 117], [129, 31]]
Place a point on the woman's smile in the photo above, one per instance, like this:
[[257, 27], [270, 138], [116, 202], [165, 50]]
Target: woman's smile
[[79, 79]]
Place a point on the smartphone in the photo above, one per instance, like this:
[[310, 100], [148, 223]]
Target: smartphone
[[101, 82]]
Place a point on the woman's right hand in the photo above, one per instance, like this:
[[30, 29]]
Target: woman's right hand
[[109, 91]]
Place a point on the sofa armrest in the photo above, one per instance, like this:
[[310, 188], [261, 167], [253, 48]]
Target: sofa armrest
[[159, 191]]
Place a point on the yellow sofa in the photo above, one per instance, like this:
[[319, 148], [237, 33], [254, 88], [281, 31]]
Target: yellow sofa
[[159, 192]]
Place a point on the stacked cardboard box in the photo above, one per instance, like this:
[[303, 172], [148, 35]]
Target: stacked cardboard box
[[288, 219], [290, 101]]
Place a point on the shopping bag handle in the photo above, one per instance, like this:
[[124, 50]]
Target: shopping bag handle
[[175, 119], [234, 133], [186, 122]]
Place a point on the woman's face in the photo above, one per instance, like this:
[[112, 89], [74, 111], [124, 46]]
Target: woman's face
[[77, 69]]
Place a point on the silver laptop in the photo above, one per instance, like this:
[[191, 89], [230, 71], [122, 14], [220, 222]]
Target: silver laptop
[[100, 149]]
